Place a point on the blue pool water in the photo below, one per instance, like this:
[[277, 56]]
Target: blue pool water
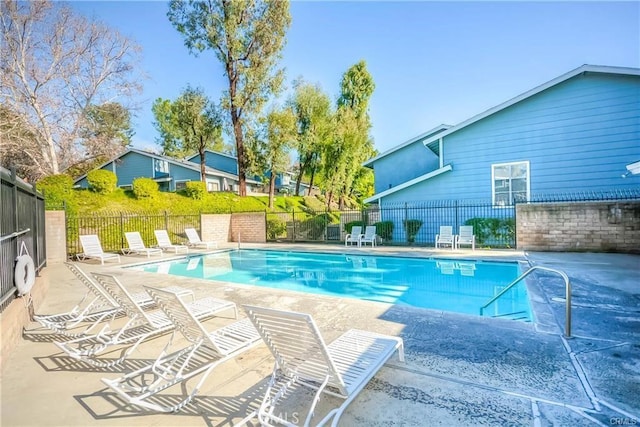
[[457, 286]]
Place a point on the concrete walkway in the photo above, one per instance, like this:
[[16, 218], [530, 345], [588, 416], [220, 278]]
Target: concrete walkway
[[460, 370]]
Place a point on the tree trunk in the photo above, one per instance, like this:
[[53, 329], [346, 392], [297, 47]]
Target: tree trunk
[[272, 188], [202, 161], [303, 167], [313, 175]]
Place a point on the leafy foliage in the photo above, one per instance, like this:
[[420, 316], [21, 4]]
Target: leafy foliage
[[384, 229], [102, 181], [57, 190], [145, 188], [411, 227], [196, 189], [488, 231], [276, 228], [349, 225], [247, 37]]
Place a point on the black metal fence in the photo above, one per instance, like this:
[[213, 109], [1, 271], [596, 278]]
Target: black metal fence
[[21, 228], [110, 228], [408, 223]]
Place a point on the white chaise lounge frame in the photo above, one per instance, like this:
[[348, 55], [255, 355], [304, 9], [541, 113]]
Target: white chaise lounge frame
[[340, 369], [354, 236], [95, 307], [139, 326], [137, 246], [466, 237], [207, 350], [164, 243], [196, 242], [369, 236], [92, 249], [446, 237]]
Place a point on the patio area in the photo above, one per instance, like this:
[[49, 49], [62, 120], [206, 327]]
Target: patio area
[[459, 369]]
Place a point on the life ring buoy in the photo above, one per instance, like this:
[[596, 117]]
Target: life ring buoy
[[25, 274]]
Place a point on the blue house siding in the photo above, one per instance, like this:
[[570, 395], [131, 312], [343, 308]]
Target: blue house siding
[[218, 161], [403, 165], [577, 136]]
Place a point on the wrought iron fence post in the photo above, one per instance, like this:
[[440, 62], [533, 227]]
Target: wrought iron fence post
[[121, 229], [293, 220], [166, 221]]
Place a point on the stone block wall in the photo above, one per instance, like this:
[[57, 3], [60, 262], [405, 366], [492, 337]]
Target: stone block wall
[[215, 227], [251, 227], [579, 226], [55, 236]]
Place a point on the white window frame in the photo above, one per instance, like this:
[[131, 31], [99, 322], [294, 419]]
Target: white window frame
[[157, 171], [493, 181], [179, 182], [126, 186]]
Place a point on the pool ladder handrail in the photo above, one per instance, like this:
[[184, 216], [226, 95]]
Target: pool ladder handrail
[[567, 284]]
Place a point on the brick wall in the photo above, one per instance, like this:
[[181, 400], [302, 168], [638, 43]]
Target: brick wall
[[55, 236], [579, 226], [215, 228], [252, 227]]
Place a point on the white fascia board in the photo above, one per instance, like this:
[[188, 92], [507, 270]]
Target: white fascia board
[[404, 185]]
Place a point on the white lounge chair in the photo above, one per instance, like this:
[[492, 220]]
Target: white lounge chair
[[165, 244], [369, 236], [137, 247], [466, 237], [340, 369], [194, 239], [445, 237], [92, 249], [354, 236], [206, 350], [139, 326], [94, 307]]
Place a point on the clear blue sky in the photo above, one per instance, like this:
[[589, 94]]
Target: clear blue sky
[[432, 62]]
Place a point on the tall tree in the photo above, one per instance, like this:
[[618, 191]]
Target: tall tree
[[55, 65], [352, 143], [16, 148], [279, 136], [247, 37], [105, 132], [312, 108], [189, 124]]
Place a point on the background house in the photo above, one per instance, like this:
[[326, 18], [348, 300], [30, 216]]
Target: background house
[[573, 134], [227, 167], [170, 174]]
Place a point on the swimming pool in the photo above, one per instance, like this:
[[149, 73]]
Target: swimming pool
[[448, 285]]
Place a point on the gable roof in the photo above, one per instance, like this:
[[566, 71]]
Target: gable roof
[[409, 183], [183, 163], [424, 135], [432, 141]]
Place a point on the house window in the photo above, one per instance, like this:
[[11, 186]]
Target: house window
[[510, 183], [127, 187], [213, 186], [181, 185], [160, 168]]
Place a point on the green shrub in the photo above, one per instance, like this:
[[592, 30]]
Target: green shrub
[[275, 228], [145, 188], [57, 190], [411, 227], [348, 226], [196, 189], [289, 204], [102, 181], [384, 229], [316, 225], [493, 231]]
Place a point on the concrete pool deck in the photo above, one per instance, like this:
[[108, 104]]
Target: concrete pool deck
[[460, 370]]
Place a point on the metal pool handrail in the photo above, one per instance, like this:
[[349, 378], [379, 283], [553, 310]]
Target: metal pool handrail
[[525, 274]]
